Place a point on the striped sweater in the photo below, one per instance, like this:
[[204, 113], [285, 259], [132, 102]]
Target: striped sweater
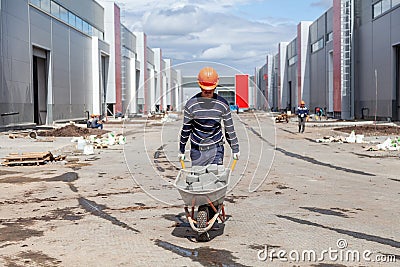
[[202, 123]]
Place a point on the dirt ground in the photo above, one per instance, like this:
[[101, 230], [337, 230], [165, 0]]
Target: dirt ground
[[371, 130], [71, 131], [119, 207]]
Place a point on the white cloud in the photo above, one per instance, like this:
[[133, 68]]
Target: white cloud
[[175, 21], [193, 30], [213, 6], [222, 51]]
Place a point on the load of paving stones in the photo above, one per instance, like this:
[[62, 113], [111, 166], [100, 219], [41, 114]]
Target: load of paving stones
[[205, 178]]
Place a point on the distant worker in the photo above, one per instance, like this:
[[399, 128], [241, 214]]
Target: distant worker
[[96, 122], [318, 112], [89, 121], [203, 114], [302, 113]]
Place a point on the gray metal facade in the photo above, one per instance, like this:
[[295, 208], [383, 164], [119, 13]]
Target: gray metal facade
[[262, 90], [226, 87], [291, 77], [128, 43], [27, 31], [373, 86], [377, 41], [275, 83], [318, 60]]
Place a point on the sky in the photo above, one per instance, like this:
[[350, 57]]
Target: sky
[[233, 35]]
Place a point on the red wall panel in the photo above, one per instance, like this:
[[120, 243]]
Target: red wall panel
[[242, 90], [337, 94]]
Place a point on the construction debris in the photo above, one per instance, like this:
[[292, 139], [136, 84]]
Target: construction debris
[[282, 117], [30, 158], [389, 144], [331, 139], [88, 143], [372, 130], [155, 116], [110, 140], [169, 118], [352, 138], [47, 139], [15, 136], [100, 146], [22, 134]]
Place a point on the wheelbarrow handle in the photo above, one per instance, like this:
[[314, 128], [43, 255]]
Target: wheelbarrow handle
[[232, 167], [182, 164], [233, 164]]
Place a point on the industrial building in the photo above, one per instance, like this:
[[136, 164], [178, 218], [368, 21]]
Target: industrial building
[[239, 90], [62, 60], [346, 62]]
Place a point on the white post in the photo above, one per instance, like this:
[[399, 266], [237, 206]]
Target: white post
[[376, 94], [152, 90], [96, 94], [166, 93], [133, 94], [50, 102]]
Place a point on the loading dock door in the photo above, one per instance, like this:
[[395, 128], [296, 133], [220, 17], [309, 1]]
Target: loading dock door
[[138, 108], [398, 81], [290, 97], [103, 86], [39, 86]]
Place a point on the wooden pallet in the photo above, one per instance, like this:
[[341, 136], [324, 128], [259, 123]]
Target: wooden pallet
[[47, 139], [282, 117], [15, 136], [100, 146], [33, 158]]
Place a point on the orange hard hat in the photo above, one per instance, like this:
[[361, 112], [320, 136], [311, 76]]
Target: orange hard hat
[[208, 78], [302, 102]]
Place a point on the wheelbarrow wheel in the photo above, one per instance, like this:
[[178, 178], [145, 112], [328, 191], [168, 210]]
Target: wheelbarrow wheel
[[202, 216]]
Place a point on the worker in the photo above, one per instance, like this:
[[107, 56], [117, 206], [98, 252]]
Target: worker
[[302, 113], [318, 113], [89, 121], [96, 122], [203, 114]]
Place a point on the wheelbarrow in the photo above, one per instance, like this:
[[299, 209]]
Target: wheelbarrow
[[282, 117], [204, 187]]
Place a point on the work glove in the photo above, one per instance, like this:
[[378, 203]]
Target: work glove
[[181, 157], [236, 155]]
